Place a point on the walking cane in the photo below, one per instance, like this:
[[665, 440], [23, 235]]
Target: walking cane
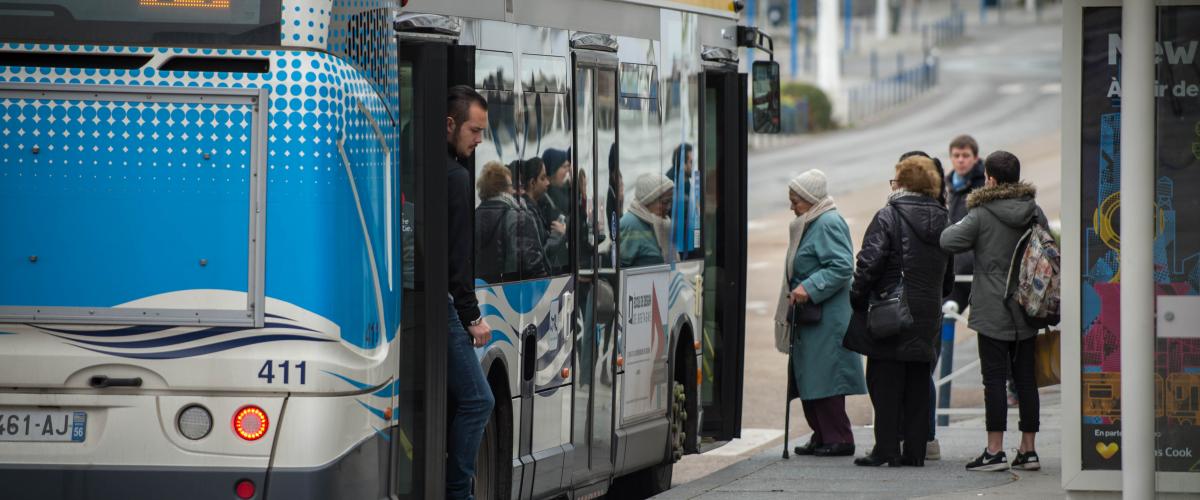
[[787, 398]]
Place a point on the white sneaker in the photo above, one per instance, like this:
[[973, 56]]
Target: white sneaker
[[933, 450]]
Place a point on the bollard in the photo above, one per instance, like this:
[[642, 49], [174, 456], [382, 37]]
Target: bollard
[[874, 64], [808, 50], [947, 361]]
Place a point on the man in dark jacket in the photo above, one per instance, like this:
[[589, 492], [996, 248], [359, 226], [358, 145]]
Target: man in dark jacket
[[964, 178], [470, 395], [999, 214]]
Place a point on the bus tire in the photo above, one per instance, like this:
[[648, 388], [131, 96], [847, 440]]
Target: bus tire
[[493, 466], [487, 465]]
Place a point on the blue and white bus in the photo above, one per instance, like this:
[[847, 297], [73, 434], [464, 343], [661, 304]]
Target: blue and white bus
[[223, 263]]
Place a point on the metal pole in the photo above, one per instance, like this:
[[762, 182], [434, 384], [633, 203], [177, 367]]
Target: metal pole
[[881, 19], [808, 50], [874, 64], [752, 20], [794, 14], [913, 16], [829, 74], [947, 361], [847, 21], [1137, 248]]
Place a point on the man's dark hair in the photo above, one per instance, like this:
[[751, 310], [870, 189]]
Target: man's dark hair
[[1003, 166], [915, 153], [460, 99], [679, 155], [965, 141]]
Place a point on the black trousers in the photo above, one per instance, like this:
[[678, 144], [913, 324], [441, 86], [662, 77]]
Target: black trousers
[[1000, 360], [900, 394]]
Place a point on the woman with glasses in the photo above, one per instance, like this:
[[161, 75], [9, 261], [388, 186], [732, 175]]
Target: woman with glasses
[[901, 257]]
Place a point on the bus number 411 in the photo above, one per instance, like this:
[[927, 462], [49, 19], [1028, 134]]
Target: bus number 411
[[267, 371]]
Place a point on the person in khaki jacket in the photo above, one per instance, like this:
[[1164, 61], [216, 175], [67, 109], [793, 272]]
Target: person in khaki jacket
[[999, 214]]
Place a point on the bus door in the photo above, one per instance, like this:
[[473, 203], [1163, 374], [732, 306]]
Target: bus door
[[428, 66], [595, 105], [723, 164]]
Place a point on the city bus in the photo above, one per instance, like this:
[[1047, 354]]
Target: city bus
[[223, 273]]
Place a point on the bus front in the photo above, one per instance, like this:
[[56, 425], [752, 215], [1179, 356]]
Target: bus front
[[201, 265]]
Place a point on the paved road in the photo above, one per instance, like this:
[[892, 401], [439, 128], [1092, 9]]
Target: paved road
[[1000, 85]]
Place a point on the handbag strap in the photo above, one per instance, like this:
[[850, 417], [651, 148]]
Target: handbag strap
[[899, 238]]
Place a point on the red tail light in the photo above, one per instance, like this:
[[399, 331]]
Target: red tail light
[[244, 489], [250, 423]]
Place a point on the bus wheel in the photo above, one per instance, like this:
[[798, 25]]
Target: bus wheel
[[679, 418], [487, 469]]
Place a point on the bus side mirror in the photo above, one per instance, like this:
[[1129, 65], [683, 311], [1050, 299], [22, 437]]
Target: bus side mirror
[[765, 97]]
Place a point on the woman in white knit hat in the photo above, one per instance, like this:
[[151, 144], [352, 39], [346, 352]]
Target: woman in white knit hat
[[813, 314], [646, 226]]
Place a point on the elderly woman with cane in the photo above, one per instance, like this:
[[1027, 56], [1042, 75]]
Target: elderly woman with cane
[[813, 314]]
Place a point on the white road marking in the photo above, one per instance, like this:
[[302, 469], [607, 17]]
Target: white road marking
[[1052, 88], [754, 266], [756, 307], [751, 440], [1010, 89]]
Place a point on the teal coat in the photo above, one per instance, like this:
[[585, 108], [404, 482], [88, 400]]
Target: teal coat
[[639, 246], [824, 264]]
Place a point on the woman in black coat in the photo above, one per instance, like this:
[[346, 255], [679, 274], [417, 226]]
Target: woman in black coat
[[902, 240]]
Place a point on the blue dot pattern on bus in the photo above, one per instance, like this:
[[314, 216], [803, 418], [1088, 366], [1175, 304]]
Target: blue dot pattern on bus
[[320, 236]]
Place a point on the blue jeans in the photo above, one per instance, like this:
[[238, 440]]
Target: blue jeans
[[472, 400]]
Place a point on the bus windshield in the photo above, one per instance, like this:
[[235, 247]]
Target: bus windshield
[[142, 22]]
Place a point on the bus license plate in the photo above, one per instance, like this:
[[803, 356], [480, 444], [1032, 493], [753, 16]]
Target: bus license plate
[[43, 425]]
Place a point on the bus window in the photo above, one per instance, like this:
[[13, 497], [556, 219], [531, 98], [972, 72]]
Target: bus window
[[645, 225], [498, 213], [553, 204], [149, 22], [497, 221]]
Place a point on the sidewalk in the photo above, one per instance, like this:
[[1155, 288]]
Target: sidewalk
[[768, 476]]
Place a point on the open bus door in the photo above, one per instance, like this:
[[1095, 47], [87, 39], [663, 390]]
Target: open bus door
[[428, 66], [723, 159]]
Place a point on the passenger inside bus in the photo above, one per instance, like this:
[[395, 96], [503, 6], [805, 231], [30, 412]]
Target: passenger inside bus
[[585, 223], [684, 210], [506, 238], [556, 205], [646, 228], [614, 209], [551, 232]]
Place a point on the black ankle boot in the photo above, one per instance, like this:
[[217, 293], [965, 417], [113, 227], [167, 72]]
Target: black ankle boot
[[807, 449], [875, 461], [835, 450]]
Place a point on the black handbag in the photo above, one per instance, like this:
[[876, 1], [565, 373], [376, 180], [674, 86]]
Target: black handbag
[[887, 313], [807, 313]]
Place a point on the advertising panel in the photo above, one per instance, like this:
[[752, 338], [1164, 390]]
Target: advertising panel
[[1177, 236], [645, 343]]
